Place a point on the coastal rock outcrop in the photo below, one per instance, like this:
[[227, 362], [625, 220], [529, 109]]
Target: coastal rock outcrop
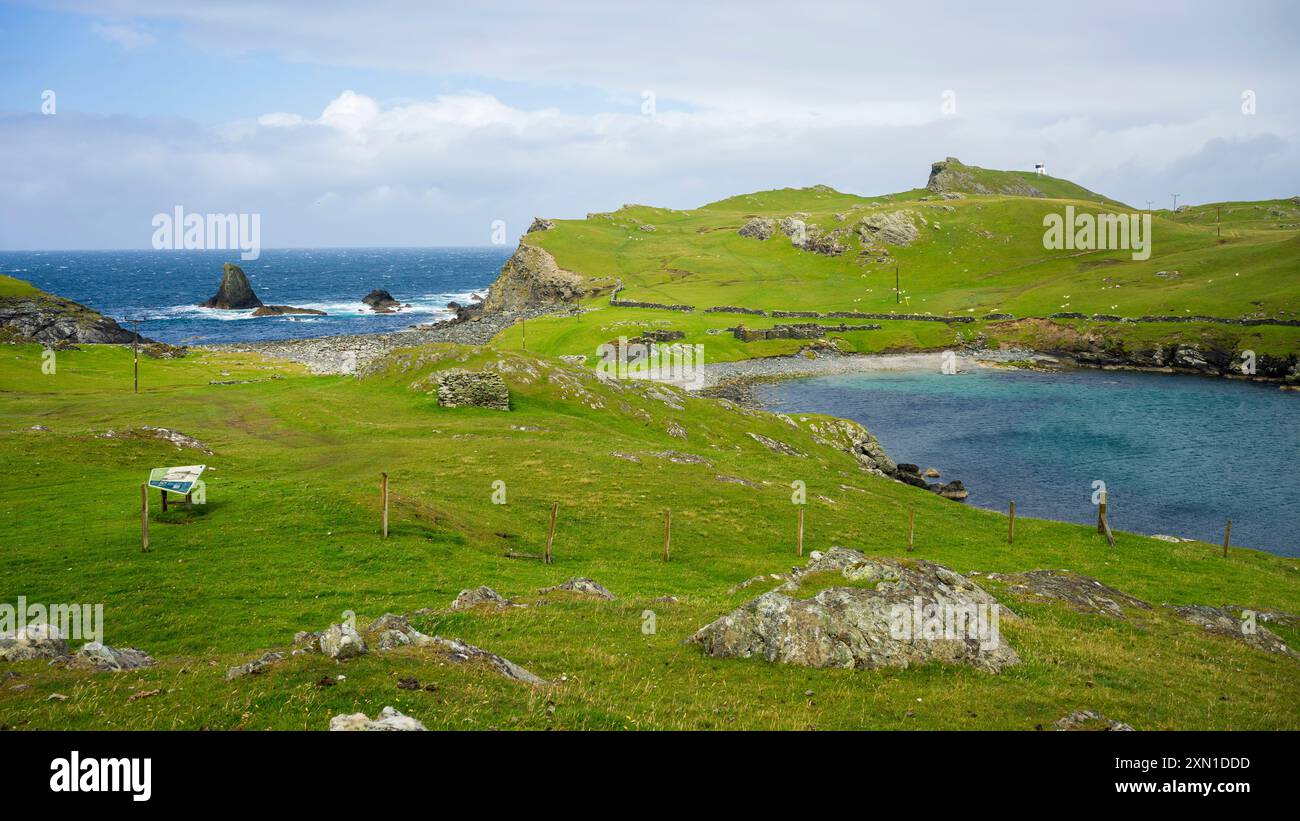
[[381, 301], [888, 613], [52, 320], [531, 279], [284, 310], [234, 293]]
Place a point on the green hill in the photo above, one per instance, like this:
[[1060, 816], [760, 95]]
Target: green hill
[[954, 250]]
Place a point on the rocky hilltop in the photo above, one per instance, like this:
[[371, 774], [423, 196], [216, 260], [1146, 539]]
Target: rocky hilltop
[[532, 279], [29, 314]]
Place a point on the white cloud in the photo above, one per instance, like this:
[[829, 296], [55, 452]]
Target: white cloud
[[127, 36], [1128, 100]]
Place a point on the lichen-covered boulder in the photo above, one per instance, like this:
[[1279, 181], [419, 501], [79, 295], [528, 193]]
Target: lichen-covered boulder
[[1242, 625], [758, 228], [34, 641], [1084, 720], [581, 586], [481, 596], [341, 642], [1082, 593], [390, 720], [892, 227], [890, 613], [255, 667], [458, 388], [97, 656]]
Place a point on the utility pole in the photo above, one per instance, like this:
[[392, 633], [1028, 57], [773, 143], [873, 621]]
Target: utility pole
[[1175, 196], [1218, 229], [898, 294], [1149, 204], [135, 348]]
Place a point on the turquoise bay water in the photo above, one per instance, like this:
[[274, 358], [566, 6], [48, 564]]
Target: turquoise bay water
[[1179, 454]]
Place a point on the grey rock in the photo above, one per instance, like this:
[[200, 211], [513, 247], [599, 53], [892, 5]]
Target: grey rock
[[97, 656], [34, 641], [390, 720], [461, 652], [341, 642], [540, 224], [852, 626], [759, 228], [891, 227], [1082, 593], [1234, 624], [530, 279], [776, 446], [255, 667], [56, 321], [1089, 720], [480, 596], [581, 586]]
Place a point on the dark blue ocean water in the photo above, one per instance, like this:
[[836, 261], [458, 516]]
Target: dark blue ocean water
[[1179, 454], [164, 287]]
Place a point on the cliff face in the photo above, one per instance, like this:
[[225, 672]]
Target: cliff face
[[51, 320], [531, 279], [235, 292]]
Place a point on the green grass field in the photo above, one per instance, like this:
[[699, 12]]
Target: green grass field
[[289, 540]]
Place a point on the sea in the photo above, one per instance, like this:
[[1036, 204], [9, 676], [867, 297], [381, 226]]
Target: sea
[[162, 289]]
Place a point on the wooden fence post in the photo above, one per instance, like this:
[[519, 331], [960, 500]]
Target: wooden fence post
[[911, 518], [144, 518], [384, 494], [668, 531], [1101, 513], [1227, 534], [1011, 524], [550, 534], [799, 534]]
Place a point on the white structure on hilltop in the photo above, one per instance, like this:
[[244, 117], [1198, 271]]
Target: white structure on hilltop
[[1040, 169]]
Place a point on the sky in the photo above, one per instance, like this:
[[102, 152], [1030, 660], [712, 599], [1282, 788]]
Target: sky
[[435, 123]]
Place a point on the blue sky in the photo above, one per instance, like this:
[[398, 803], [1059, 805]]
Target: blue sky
[[409, 123]]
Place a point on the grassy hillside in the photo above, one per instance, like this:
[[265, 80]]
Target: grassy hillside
[[972, 256], [289, 539]]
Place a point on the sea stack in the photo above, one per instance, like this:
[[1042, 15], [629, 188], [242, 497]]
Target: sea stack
[[381, 301], [235, 292]]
